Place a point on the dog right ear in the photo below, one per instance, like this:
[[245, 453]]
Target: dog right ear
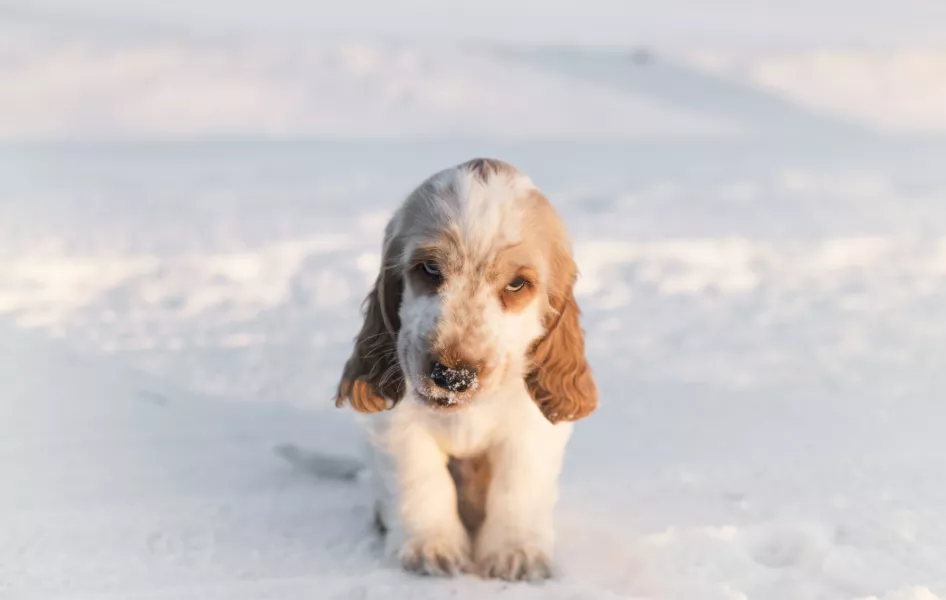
[[372, 380], [562, 383]]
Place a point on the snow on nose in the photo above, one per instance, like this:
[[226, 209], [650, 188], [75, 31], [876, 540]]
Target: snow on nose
[[453, 379]]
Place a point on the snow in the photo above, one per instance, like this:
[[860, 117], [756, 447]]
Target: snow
[[171, 88], [185, 87], [763, 304], [724, 23], [894, 91], [770, 424]]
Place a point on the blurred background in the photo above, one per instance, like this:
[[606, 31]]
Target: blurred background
[[192, 196]]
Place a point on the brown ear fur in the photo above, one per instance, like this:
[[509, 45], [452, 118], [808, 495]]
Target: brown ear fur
[[561, 383], [371, 379]]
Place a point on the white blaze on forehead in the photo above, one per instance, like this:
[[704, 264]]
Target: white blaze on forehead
[[488, 211], [483, 210]]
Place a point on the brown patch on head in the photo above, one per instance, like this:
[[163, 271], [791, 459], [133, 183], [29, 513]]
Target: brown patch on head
[[561, 382], [515, 279], [519, 292], [484, 168], [372, 379], [514, 274]]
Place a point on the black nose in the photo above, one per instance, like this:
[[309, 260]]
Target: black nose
[[452, 379]]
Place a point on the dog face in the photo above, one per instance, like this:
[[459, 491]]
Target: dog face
[[474, 290]]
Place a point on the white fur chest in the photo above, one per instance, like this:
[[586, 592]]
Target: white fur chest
[[466, 432]]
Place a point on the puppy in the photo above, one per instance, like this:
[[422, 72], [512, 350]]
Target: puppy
[[471, 359]]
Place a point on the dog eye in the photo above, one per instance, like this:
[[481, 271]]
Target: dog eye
[[516, 285], [431, 269]]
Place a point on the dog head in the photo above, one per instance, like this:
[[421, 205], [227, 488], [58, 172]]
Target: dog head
[[475, 288]]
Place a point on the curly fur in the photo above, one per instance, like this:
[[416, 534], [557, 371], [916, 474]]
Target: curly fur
[[466, 480]]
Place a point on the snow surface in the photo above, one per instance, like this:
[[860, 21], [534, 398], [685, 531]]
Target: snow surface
[[767, 330], [721, 23], [161, 87], [765, 316], [897, 91], [131, 85]]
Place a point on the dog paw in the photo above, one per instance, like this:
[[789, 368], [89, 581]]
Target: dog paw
[[438, 555], [514, 562]]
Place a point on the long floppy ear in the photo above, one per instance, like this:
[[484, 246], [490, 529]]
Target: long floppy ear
[[561, 382], [372, 380]]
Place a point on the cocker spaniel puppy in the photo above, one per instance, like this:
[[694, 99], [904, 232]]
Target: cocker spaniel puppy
[[472, 359]]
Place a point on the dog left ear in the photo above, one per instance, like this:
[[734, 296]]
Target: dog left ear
[[371, 379], [561, 382]]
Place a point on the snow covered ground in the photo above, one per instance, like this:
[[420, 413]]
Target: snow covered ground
[[764, 284]]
